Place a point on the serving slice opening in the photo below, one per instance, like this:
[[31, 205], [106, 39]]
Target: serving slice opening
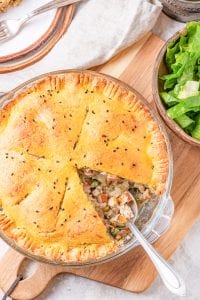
[[112, 197]]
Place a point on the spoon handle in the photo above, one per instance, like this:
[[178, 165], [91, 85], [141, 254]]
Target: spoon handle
[[169, 276]]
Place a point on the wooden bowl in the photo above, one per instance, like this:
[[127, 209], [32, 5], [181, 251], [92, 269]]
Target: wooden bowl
[[160, 69]]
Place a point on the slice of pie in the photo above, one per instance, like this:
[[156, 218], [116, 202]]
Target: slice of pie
[[74, 149], [5, 4]]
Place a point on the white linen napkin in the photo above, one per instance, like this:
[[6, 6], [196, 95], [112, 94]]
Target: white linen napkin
[[99, 30]]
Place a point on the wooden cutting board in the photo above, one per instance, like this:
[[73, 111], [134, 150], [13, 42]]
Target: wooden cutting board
[[133, 271]]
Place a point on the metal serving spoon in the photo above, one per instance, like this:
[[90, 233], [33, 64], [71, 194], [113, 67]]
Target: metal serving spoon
[[10, 28], [169, 276]]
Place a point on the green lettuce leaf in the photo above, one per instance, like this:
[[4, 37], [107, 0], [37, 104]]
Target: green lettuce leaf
[[169, 99], [184, 121], [196, 131], [188, 104]]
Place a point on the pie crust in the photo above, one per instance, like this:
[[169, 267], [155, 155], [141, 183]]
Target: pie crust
[[5, 4], [48, 132]]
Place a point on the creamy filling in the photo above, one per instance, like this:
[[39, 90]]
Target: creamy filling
[[112, 197]]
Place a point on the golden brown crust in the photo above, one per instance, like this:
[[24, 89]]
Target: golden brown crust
[[46, 133], [5, 4]]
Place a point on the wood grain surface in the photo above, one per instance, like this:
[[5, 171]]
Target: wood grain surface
[[133, 271]]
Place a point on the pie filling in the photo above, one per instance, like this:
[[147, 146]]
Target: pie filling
[[112, 197]]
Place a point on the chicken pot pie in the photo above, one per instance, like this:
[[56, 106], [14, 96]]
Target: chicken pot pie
[[5, 4], [72, 149]]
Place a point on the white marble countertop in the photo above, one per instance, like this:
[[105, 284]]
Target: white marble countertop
[[186, 259]]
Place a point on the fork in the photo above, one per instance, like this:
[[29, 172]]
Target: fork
[[10, 28]]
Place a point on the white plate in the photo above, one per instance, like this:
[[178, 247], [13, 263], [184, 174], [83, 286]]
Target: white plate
[[32, 30]]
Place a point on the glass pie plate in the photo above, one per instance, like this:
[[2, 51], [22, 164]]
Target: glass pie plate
[[154, 216]]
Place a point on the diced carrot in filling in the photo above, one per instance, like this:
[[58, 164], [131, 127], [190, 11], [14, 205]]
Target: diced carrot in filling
[[121, 219], [112, 197], [103, 198], [124, 198]]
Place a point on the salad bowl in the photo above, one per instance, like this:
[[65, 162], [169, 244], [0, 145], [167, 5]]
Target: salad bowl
[[160, 73]]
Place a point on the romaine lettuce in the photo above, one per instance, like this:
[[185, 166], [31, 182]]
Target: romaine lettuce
[[182, 83]]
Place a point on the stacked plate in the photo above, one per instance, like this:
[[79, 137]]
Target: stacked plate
[[182, 10], [37, 38]]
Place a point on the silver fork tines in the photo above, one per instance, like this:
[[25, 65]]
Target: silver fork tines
[[9, 28]]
